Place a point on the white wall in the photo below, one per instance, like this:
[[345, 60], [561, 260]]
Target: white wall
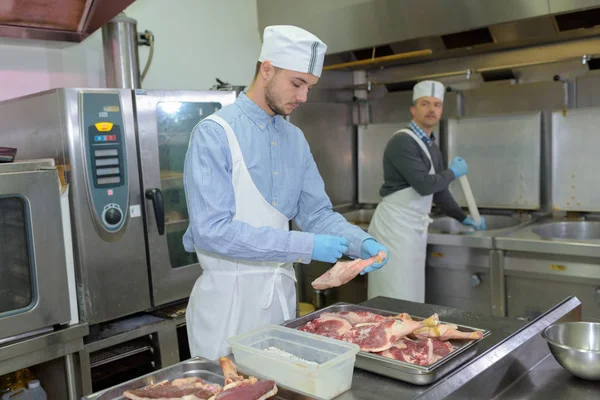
[[204, 39]]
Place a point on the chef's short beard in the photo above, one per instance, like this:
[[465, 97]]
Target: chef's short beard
[[272, 99]]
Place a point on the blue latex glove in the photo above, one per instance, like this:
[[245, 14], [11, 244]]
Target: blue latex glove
[[370, 248], [329, 248], [469, 222], [458, 166]]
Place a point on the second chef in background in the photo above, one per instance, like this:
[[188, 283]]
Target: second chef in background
[[414, 178]]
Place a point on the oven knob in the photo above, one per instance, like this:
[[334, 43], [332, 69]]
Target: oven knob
[[113, 216]]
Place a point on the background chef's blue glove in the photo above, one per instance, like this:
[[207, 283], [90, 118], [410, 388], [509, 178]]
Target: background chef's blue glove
[[329, 248], [470, 222], [458, 166], [370, 248]]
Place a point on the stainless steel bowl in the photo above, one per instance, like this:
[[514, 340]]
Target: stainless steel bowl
[[576, 347]]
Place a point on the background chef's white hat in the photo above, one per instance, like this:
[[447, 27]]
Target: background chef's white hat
[[293, 48], [428, 88]]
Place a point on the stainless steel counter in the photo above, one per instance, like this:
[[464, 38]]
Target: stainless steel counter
[[366, 385], [499, 361], [448, 231], [548, 380], [512, 363], [552, 236]]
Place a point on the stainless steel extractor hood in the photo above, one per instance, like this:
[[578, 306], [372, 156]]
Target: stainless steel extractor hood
[[57, 20], [400, 32]]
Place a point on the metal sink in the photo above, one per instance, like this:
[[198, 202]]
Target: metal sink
[[579, 230], [447, 225]]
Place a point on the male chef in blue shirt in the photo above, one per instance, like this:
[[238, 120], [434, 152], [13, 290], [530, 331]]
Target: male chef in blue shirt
[[248, 172]]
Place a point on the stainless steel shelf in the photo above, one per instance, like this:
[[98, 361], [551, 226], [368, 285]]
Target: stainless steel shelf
[[119, 352]]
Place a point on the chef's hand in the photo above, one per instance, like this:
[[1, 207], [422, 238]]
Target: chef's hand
[[470, 222], [458, 166], [329, 248], [370, 248]]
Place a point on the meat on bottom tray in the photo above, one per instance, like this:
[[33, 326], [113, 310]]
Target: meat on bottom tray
[[236, 387], [398, 337]]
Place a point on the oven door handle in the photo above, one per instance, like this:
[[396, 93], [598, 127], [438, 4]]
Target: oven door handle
[[159, 209]]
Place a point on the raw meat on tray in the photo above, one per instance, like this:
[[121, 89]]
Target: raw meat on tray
[[328, 325], [168, 390], [358, 317], [236, 387], [443, 332], [418, 352], [344, 271], [379, 336], [398, 336]]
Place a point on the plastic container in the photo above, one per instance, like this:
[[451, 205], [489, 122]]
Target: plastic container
[[329, 378], [19, 394], [36, 392]]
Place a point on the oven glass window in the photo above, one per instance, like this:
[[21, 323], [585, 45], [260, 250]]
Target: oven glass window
[[16, 279], [176, 120]]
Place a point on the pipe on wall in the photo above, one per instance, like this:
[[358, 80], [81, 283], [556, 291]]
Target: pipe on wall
[[121, 58]]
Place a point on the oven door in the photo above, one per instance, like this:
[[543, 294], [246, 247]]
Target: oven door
[[33, 272], [165, 121]]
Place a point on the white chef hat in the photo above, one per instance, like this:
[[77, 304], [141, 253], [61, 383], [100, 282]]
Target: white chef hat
[[428, 88], [293, 48]]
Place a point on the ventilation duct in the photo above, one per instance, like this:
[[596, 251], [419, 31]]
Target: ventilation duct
[[58, 20]]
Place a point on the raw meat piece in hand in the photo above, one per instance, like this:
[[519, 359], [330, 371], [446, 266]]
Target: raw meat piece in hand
[[344, 271], [238, 388], [445, 332], [328, 325], [376, 337]]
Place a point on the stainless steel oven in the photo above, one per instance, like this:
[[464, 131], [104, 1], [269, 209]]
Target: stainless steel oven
[[165, 120], [34, 291], [123, 152]]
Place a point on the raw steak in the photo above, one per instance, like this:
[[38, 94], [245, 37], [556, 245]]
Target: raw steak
[[442, 349], [238, 388], [358, 317], [245, 390], [166, 390], [344, 271], [445, 332], [421, 352], [329, 325], [380, 336]]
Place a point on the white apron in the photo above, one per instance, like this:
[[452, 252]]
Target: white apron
[[232, 297], [400, 223]]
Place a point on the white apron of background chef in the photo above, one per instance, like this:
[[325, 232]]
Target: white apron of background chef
[[232, 297], [400, 223]]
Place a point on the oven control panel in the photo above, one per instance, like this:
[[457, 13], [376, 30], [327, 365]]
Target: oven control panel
[[106, 158]]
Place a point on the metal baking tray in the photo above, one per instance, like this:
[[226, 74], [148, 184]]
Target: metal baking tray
[[464, 350], [198, 367]]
